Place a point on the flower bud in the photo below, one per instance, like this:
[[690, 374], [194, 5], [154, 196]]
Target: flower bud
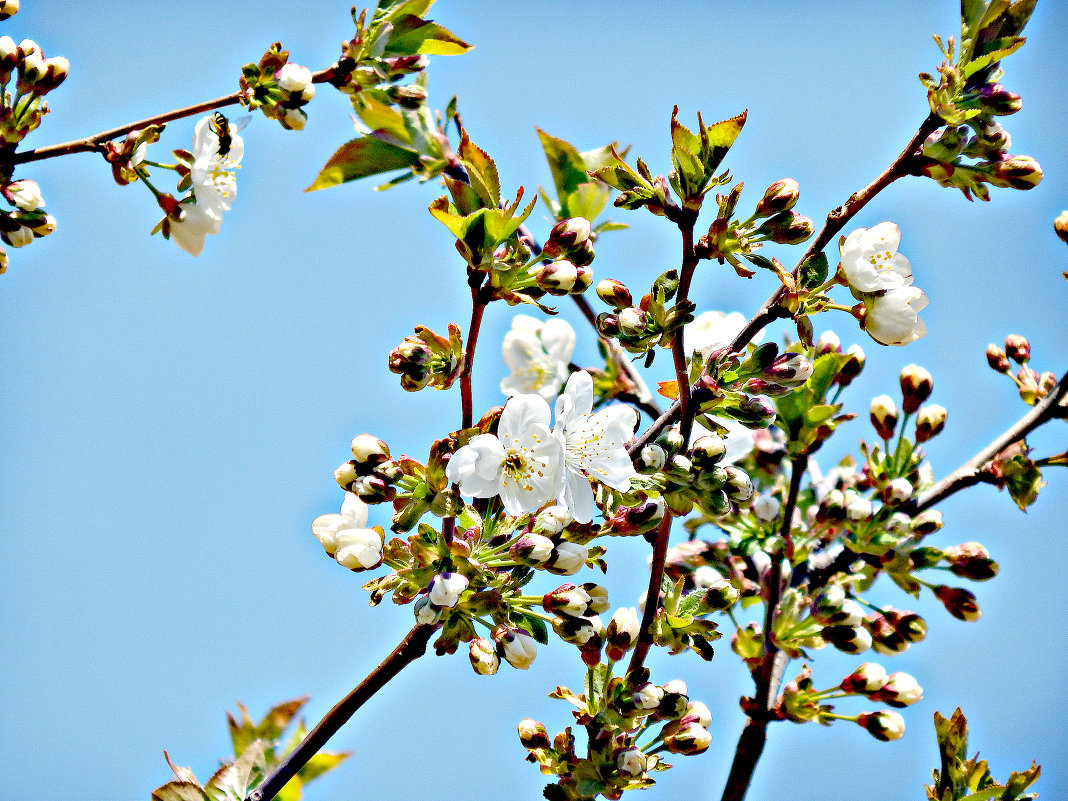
[[971, 560], [999, 101], [410, 96], [789, 370], [739, 487], [765, 507], [916, 387], [898, 491], [359, 548], [786, 228], [25, 194], [686, 737], [718, 593], [552, 520], [900, 690], [828, 343], [614, 293], [780, 196], [707, 451], [532, 734], [567, 599], [484, 659], [1018, 348], [446, 588], [885, 725], [369, 450], [8, 8], [997, 358], [631, 762], [293, 77], [567, 558], [909, 626], [578, 630], [647, 696], [532, 549], [1060, 226], [885, 639], [517, 647], [847, 639], [851, 368], [631, 322], [426, 614], [1017, 172], [867, 678], [567, 235], [651, 458], [621, 633], [959, 602], [562, 277], [883, 413], [926, 522], [929, 422]]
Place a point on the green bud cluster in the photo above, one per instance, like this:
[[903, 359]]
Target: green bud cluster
[[651, 322], [428, 359]]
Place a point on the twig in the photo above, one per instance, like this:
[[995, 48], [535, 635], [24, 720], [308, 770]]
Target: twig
[[971, 472], [96, 141], [410, 648]]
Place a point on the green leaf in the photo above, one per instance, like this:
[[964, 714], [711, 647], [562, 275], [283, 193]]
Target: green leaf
[[361, 157], [414, 36], [482, 172], [971, 11], [566, 164], [721, 136], [279, 717], [179, 791], [814, 270], [535, 625], [588, 200], [321, 763], [380, 116], [1004, 47]]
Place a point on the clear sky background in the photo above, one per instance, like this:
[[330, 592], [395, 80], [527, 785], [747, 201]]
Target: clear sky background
[[170, 424]]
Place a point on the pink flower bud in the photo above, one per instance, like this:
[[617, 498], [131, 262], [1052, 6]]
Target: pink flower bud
[[885, 725], [867, 678], [916, 387]]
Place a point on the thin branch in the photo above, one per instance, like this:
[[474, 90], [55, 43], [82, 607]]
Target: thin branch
[[652, 595], [971, 472], [410, 648], [478, 306], [96, 142]]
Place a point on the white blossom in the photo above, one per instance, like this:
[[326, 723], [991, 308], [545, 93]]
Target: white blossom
[[214, 173], [293, 77], [893, 318], [870, 259], [519, 649], [712, 330], [446, 588], [594, 445], [196, 223], [26, 194], [522, 463], [538, 354], [353, 516]]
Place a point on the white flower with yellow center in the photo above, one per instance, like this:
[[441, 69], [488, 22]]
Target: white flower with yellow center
[[213, 173], [594, 445], [870, 259], [522, 463], [538, 354]]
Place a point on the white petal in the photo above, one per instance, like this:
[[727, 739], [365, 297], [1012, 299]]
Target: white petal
[[354, 511], [580, 389], [578, 496], [558, 339]]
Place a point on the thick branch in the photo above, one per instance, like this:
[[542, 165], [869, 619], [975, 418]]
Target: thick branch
[[971, 472], [774, 662], [410, 648]]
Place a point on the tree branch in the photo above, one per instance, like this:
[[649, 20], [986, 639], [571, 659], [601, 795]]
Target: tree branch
[[410, 648], [971, 472]]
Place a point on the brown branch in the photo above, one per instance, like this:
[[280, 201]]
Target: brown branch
[[410, 648], [971, 472], [652, 595], [773, 664], [95, 142]]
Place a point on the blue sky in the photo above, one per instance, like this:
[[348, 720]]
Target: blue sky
[[171, 424]]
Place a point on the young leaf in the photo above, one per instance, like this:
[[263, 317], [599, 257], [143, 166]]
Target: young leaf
[[414, 36], [361, 157]]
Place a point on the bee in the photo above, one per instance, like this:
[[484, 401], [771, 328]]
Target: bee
[[220, 126]]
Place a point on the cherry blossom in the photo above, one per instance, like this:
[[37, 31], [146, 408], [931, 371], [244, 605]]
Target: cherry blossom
[[538, 354]]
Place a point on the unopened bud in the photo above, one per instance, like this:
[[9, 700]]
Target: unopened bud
[[885, 725], [959, 602], [997, 358], [631, 762], [1060, 226], [1017, 348], [910, 626], [900, 690], [1018, 172], [851, 368], [567, 235], [926, 522], [621, 633], [766, 507], [532, 549], [686, 738], [999, 101], [916, 387], [484, 659], [564, 278], [369, 450], [929, 422], [883, 413], [707, 451], [971, 560], [632, 322], [567, 559], [828, 342], [8, 8], [780, 196], [614, 293], [533, 735], [739, 487], [867, 678], [786, 228], [848, 639]]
